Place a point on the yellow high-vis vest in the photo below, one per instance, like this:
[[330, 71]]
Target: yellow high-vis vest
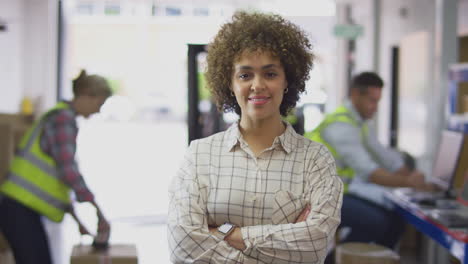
[[341, 114], [33, 180]]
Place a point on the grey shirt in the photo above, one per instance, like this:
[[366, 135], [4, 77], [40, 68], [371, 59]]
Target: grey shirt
[[364, 156]]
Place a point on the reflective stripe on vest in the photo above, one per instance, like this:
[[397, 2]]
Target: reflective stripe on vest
[[341, 114], [33, 178], [37, 191]]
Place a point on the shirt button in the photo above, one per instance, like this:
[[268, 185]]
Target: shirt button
[[254, 198]]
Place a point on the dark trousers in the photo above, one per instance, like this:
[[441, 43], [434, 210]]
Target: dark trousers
[[24, 232], [370, 222]]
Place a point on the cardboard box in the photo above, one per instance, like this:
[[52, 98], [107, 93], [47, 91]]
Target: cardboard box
[[6, 149], [364, 253], [3, 244], [115, 254], [17, 119], [6, 257], [462, 93], [465, 104], [12, 129]]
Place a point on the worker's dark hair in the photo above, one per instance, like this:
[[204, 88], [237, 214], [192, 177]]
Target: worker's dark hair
[[257, 32], [93, 85], [365, 80]]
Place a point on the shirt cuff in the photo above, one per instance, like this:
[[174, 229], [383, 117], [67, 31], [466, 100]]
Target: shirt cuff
[[366, 173], [84, 197], [396, 165], [252, 235]]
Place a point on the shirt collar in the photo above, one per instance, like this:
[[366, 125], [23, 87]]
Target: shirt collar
[[354, 113], [286, 140], [71, 108]]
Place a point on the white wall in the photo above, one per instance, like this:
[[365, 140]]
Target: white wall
[[28, 53], [395, 25], [320, 32], [362, 14], [11, 55], [463, 17], [40, 49]]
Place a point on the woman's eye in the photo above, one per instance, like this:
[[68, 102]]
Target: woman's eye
[[271, 74], [243, 76]]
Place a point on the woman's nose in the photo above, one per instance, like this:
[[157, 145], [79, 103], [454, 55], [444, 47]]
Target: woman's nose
[[258, 84]]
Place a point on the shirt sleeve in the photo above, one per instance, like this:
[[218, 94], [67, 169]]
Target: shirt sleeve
[[59, 141], [188, 234], [389, 158], [304, 242], [346, 140]]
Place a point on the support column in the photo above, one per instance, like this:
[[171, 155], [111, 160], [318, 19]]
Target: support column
[[445, 54], [339, 92]]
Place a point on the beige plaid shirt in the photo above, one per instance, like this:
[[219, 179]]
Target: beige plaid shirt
[[221, 180]]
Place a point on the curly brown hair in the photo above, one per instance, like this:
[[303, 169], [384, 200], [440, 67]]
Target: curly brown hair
[[258, 32]]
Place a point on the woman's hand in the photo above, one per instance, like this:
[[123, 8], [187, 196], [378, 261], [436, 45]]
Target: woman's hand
[[304, 214], [213, 229], [234, 239]]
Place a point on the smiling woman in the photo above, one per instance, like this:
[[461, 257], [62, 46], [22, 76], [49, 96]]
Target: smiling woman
[[258, 192], [253, 34], [258, 84]]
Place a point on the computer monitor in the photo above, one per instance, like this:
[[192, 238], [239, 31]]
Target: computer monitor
[[446, 159]]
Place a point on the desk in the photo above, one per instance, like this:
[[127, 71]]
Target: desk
[[455, 242]]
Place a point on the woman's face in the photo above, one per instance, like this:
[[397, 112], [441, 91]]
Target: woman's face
[[259, 82]]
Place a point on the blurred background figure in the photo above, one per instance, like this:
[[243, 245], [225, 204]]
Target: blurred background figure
[[366, 167], [44, 171]]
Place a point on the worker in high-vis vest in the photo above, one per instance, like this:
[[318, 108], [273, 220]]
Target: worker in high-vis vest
[[366, 167], [44, 172]]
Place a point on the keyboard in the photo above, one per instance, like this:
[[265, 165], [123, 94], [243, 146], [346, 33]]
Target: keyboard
[[450, 218]]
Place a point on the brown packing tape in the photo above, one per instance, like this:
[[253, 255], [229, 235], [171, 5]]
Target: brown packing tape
[[115, 254], [105, 259], [363, 253]]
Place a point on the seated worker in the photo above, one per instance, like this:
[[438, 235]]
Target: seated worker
[[43, 173], [365, 166]]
